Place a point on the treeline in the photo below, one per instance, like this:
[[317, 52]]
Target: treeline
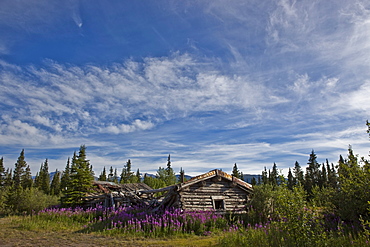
[[20, 193]]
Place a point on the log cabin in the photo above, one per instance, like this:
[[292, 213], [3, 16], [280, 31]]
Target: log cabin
[[215, 190]]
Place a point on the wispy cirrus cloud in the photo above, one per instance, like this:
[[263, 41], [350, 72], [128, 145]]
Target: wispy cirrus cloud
[[124, 97], [252, 83]]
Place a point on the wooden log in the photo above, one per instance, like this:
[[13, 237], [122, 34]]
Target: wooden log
[[158, 190]]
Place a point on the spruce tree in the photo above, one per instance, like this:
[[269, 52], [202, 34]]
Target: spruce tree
[[115, 176], [167, 175], [64, 181], [42, 180], [264, 176], [324, 176], [138, 177], [111, 174], [20, 169], [353, 195], [332, 176], [103, 175], [313, 173], [80, 179], [236, 173], [170, 174], [290, 182], [298, 175], [127, 174], [55, 184], [27, 181], [36, 181], [182, 176], [274, 176], [8, 181]]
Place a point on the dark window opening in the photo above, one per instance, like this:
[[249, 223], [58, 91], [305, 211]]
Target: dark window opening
[[219, 204]]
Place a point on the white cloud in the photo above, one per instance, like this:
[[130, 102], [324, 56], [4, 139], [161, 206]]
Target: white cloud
[[127, 128], [161, 87], [359, 99]]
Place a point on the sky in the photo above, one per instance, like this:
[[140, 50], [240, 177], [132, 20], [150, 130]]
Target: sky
[[212, 83]]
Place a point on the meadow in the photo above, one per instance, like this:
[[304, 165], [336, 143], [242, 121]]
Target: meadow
[[136, 226]]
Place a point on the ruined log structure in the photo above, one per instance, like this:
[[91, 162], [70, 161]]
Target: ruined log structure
[[215, 190]]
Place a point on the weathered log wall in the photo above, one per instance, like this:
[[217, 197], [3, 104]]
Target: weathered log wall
[[205, 194]]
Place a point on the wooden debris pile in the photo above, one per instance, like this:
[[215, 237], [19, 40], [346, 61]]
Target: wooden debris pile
[[110, 194]]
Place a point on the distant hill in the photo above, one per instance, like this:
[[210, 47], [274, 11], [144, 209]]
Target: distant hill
[[51, 175]]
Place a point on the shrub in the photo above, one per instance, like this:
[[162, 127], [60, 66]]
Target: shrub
[[28, 201]]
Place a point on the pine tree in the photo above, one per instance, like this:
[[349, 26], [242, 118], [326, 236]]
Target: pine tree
[[20, 169], [103, 175], [55, 184], [80, 179]]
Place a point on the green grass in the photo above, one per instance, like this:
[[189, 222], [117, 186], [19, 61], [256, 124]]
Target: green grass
[[270, 236], [31, 231]]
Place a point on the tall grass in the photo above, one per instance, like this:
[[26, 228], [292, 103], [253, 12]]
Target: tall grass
[[288, 224], [276, 235]]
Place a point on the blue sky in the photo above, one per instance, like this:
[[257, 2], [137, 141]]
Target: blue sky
[[212, 83]]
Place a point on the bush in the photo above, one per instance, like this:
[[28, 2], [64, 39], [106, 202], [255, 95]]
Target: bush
[[27, 201]]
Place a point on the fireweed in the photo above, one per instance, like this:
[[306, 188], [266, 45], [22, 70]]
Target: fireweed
[[141, 221]]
